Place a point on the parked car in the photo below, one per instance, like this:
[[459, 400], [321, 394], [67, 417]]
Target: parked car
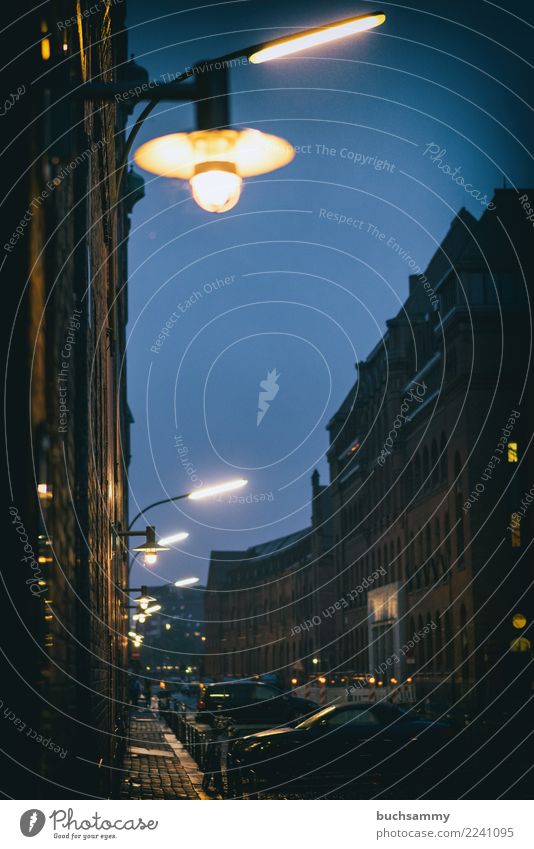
[[251, 703], [369, 746]]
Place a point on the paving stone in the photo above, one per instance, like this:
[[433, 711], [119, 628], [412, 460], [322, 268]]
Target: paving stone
[[153, 769]]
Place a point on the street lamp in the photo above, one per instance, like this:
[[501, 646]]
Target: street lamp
[[150, 547], [186, 582], [181, 535], [196, 495], [214, 159], [311, 38], [216, 489]]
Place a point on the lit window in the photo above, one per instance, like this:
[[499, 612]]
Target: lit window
[[515, 527], [512, 452]]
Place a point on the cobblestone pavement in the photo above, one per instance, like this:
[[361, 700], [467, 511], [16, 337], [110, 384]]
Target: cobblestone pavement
[[156, 766]]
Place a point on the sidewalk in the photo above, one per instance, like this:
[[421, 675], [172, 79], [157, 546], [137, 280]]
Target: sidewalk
[[156, 766]]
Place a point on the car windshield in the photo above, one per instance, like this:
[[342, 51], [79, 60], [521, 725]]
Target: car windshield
[[336, 716], [308, 723]]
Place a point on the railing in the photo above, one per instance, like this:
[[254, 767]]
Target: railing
[[203, 743]]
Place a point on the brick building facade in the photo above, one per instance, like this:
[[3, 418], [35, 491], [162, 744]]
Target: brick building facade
[[64, 276], [439, 407]]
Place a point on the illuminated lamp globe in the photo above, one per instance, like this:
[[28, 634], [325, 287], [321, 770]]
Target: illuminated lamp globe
[[215, 186], [215, 161], [151, 559]]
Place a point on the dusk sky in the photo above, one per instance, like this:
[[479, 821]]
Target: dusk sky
[[296, 290]]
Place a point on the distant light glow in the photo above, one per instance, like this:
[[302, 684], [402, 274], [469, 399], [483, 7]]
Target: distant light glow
[[519, 620], [322, 35], [216, 489], [45, 49]]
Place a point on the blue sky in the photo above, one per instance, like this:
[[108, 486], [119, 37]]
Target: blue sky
[[281, 281]]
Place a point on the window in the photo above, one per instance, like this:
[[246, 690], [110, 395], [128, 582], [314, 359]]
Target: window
[[443, 458], [452, 363], [428, 537], [473, 287], [434, 462], [259, 693], [512, 452], [426, 467], [459, 511], [421, 648], [515, 526], [351, 718], [438, 642], [417, 473]]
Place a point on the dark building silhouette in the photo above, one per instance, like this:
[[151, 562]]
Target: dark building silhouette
[[440, 412], [429, 459], [174, 639]]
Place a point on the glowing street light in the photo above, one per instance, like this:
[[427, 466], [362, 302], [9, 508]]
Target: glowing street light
[[178, 537], [215, 159], [216, 489], [312, 38], [186, 582], [151, 546]]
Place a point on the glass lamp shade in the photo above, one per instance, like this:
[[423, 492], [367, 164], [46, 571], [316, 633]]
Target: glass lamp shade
[[178, 155]]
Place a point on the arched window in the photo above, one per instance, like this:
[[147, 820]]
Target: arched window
[[438, 642], [429, 637], [421, 643], [417, 473], [409, 482], [443, 457], [426, 467], [452, 363], [449, 642], [447, 536], [459, 513], [434, 463], [464, 642], [411, 636], [410, 558]]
